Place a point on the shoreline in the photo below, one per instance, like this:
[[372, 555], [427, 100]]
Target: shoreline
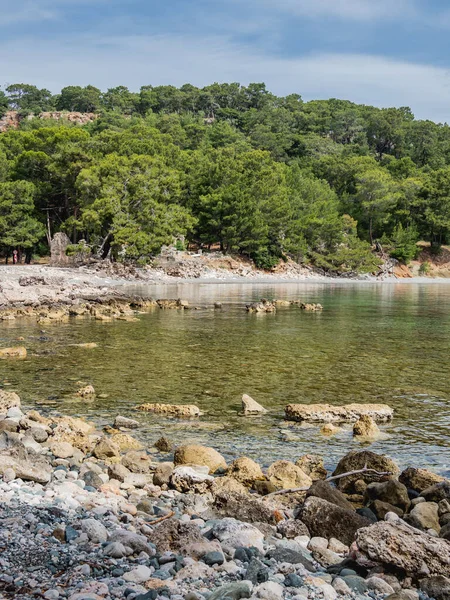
[[33, 285], [88, 514]]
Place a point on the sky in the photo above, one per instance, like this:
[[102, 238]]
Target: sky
[[378, 52]]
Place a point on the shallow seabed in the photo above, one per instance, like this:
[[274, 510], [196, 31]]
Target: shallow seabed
[[374, 342]]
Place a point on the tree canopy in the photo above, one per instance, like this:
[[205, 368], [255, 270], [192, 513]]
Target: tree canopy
[[228, 165]]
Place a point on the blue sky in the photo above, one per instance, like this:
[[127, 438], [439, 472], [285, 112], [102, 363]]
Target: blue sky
[[382, 52]]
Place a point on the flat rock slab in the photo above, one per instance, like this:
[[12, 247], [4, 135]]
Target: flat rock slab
[[327, 413]]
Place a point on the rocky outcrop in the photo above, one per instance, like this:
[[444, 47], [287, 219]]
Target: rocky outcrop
[[327, 520], [171, 410], [10, 120], [327, 413], [358, 461], [192, 454], [251, 407], [397, 544]]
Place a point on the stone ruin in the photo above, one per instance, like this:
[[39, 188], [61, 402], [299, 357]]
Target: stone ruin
[[58, 247]]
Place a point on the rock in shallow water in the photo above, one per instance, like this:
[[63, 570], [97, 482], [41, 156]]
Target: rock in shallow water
[[327, 413]]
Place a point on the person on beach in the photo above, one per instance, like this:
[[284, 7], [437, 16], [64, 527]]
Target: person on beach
[[15, 257]]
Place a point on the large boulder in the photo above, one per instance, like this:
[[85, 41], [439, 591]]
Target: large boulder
[[327, 413], [322, 489], [26, 467], [251, 407], [137, 461], [8, 400], [392, 492], [419, 479], [193, 454], [284, 475], [359, 460], [327, 520], [399, 545], [245, 470]]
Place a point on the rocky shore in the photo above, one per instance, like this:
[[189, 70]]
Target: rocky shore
[[92, 515]]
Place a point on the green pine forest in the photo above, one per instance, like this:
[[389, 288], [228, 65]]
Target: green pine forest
[[226, 166]]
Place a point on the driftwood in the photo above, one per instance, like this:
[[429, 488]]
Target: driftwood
[[333, 478], [161, 519]]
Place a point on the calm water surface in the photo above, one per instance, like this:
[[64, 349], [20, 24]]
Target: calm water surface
[[385, 343]]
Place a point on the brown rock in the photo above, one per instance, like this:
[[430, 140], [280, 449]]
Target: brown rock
[[106, 449], [125, 442], [380, 509], [228, 484], [312, 465], [355, 461], [86, 392], [391, 491], [163, 473], [245, 470], [366, 427], [292, 528], [164, 445], [322, 489], [192, 454], [283, 474], [173, 535], [419, 479], [247, 508], [137, 461], [327, 520], [437, 587], [437, 492]]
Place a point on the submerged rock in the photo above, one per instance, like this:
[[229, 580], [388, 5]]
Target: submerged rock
[[172, 410], [366, 427], [327, 413], [19, 352], [120, 421], [86, 392]]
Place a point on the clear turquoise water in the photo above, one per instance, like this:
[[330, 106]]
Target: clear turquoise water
[[385, 343]]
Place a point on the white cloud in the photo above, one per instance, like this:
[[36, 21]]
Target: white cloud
[[136, 61]]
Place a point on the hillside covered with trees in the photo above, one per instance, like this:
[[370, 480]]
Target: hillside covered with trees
[[228, 166]]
